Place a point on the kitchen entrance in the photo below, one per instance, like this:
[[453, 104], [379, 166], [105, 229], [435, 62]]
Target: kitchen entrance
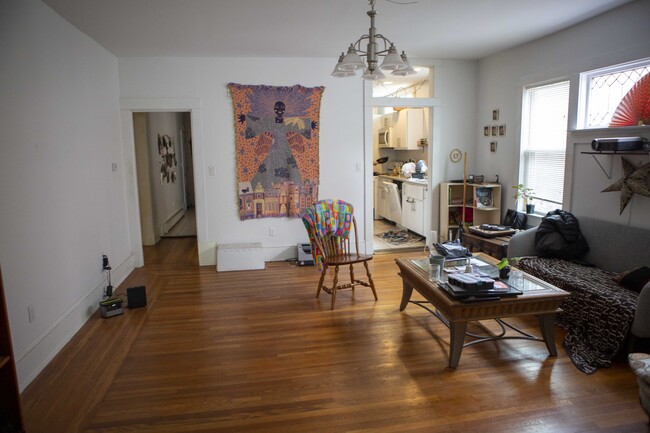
[[402, 117]]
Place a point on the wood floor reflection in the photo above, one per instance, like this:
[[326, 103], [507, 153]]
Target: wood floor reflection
[[255, 351]]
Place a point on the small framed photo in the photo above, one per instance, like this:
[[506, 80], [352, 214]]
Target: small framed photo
[[502, 129], [486, 131], [494, 130], [493, 146], [495, 114]]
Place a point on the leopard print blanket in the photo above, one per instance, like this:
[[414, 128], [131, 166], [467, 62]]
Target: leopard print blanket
[[598, 314]]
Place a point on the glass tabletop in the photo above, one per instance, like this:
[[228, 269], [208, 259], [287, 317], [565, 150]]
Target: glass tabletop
[[517, 279]]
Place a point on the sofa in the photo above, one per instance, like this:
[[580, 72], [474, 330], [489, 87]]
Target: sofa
[[602, 315]]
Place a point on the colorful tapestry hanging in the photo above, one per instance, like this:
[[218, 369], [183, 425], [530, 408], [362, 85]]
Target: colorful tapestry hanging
[[276, 145]]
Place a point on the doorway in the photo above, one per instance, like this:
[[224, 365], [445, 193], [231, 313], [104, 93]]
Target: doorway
[[400, 122], [165, 178]]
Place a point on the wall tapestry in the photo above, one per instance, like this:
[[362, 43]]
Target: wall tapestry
[[276, 145], [168, 162]]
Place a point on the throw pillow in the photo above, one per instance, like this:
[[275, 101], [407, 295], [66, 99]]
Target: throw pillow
[[635, 279]]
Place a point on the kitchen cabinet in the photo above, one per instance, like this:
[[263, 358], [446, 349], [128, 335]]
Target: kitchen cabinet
[[408, 129], [414, 198], [482, 206], [11, 419]]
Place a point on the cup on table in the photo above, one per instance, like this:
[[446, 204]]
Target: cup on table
[[516, 278], [434, 272], [436, 260]]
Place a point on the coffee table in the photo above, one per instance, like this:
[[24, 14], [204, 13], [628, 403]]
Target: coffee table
[[539, 298]]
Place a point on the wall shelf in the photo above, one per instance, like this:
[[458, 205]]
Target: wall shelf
[[611, 160], [616, 152]]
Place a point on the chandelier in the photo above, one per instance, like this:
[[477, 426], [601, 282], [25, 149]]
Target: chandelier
[[349, 63]]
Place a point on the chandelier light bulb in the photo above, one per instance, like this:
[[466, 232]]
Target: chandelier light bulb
[[352, 61], [405, 70], [338, 72], [392, 61]]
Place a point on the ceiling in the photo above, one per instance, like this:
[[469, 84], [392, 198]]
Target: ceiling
[[425, 29]]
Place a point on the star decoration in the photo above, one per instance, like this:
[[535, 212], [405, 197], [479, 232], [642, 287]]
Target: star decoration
[[633, 182]]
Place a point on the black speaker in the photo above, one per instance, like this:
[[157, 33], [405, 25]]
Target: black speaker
[[136, 297]]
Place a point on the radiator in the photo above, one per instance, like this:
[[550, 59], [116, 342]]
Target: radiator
[[172, 220]]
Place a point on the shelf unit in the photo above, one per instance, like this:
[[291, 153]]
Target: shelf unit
[[11, 418], [482, 204]]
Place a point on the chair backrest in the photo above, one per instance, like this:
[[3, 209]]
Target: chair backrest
[[329, 224], [332, 245]]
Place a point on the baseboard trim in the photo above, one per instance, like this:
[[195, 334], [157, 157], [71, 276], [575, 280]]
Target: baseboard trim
[[43, 349], [208, 253]]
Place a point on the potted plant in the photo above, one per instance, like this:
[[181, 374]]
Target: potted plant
[[527, 195]]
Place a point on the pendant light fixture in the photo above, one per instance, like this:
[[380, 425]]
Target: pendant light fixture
[[393, 62]]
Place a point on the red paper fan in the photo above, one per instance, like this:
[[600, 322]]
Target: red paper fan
[[635, 106]]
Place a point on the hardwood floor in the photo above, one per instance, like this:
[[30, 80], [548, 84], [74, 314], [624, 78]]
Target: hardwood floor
[[254, 351]]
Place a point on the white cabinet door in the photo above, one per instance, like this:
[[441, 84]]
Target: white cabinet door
[[413, 200], [409, 129], [392, 204]]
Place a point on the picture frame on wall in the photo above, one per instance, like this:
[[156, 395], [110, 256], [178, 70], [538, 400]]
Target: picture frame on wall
[[486, 131], [494, 130], [502, 129], [493, 146], [495, 114]]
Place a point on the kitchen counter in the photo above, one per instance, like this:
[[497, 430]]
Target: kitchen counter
[[401, 179]]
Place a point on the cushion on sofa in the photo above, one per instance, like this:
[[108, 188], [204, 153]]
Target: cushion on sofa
[[635, 279], [597, 315]]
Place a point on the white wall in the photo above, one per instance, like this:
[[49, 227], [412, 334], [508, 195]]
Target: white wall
[[618, 36], [62, 205], [341, 137]]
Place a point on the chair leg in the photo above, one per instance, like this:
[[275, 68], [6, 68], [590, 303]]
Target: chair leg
[[372, 284], [352, 276], [335, 285], [320, 282]]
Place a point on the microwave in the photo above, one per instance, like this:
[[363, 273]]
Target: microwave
[[385, 137]]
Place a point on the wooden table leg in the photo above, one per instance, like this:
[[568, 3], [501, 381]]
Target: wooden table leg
[[457, 337], [407, 291], [546, 322]]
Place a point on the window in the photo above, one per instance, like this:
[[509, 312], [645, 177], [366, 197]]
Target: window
[[543, 143], [603, 90]]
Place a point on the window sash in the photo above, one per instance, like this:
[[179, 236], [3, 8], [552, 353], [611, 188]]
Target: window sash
[[597, 107], [543, 144], [544, 173]]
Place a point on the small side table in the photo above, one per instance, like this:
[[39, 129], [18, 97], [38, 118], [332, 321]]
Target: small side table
[[496, 247]]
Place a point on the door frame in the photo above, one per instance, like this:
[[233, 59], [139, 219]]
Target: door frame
[[434, 152], [128, 106]]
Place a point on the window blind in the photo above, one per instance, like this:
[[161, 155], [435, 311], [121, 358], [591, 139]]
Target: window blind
[[544, 141]]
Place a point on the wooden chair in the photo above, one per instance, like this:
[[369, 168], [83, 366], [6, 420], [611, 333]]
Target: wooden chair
[[336, 251]]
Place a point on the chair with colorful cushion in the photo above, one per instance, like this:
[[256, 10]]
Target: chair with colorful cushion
[[330, 224]]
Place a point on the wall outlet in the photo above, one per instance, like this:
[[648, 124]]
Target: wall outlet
[[271, 231]]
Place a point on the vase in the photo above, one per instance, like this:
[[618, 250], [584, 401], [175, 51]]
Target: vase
[[530, 208]]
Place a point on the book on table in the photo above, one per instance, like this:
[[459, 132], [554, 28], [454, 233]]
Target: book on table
[[472, 285]]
